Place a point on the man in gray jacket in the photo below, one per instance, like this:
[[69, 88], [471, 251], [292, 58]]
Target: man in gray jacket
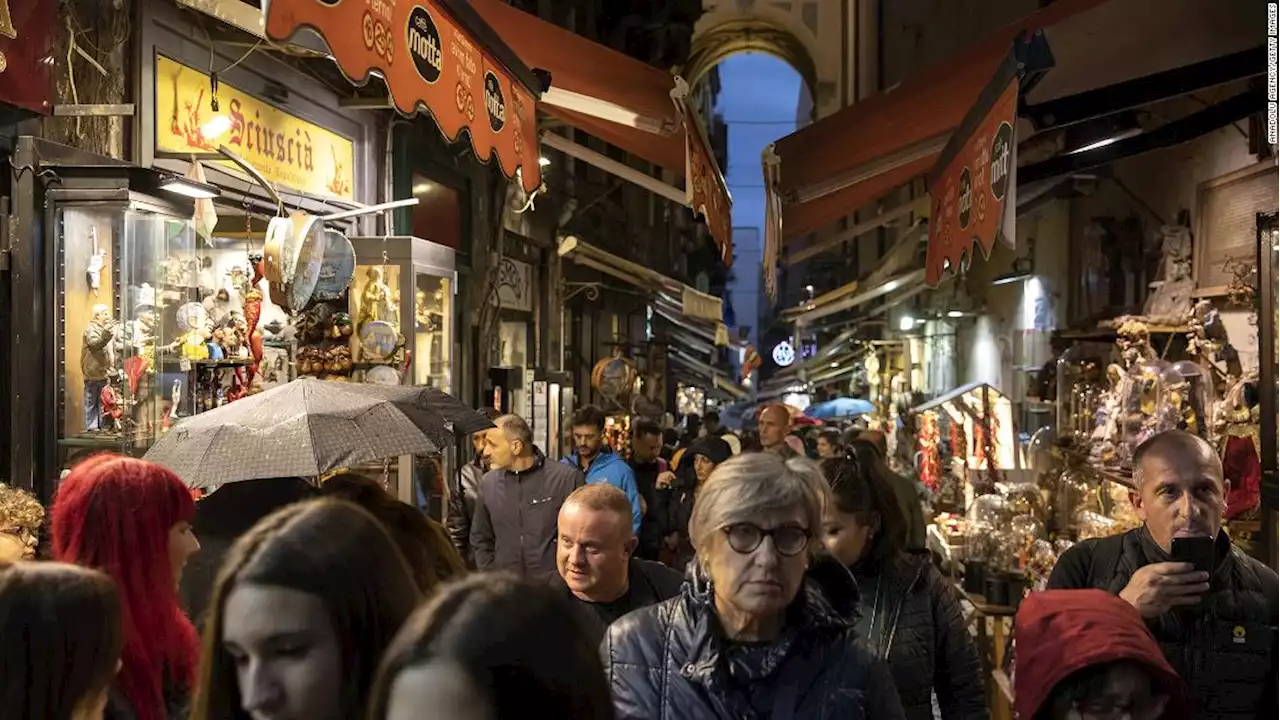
[[514, 526]]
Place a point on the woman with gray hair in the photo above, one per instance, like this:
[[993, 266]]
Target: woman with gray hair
[[752, 635]]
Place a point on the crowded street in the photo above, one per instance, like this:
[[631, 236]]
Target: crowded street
[[639, 360]]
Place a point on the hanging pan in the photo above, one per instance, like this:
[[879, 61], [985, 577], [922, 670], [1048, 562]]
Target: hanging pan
[[338, 268]]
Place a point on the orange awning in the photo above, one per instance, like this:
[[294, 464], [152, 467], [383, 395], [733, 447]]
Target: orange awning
[[623, 102], [436, 55], [851, 158]]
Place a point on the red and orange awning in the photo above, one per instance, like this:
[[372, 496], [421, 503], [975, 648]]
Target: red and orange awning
[[438, 56], [849, 159], [623, 102]]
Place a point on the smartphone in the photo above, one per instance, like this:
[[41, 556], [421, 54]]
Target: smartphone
[[1199, 551]]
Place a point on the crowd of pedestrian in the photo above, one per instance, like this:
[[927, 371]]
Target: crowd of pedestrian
[[705, 576]]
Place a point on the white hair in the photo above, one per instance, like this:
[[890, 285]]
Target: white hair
[[745, 487]]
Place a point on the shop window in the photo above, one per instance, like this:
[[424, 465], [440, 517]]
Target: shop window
[[1227, 226]]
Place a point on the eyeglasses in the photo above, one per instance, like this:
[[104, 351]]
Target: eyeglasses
[[788, 540]]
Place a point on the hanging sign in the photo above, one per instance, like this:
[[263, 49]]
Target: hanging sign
[[285, 149], [972, 186], [26, 53], [431, 62]]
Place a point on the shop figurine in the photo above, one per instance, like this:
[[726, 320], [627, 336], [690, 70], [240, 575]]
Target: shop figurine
[[175, 272], [97, 261], [220, 305], [237, 280], [97, 361], [375, 301], [112, 408]]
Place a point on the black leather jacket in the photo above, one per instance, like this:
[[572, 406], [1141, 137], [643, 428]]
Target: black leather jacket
[[911, 618], [463, 489], [1224, 649], [671, 661]]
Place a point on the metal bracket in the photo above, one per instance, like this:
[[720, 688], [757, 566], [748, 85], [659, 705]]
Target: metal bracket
[[592, 290]]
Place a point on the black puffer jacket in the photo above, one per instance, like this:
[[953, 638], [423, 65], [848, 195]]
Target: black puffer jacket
[[464, 487], [911, 618], [1225, 649], [672, 661]]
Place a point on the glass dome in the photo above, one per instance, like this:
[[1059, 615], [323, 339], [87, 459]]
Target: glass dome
[[992, 511], [1025, 499], [1093, 524], [987, 519], [1193, 399], [1080, 384], [1040, 450], [1075, 492]]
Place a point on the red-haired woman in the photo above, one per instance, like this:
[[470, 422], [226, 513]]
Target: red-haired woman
[[132, 520]]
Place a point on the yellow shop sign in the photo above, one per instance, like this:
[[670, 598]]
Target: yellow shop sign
[[286, 150]]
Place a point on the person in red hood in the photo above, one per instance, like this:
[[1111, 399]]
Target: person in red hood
[[1087, 655]]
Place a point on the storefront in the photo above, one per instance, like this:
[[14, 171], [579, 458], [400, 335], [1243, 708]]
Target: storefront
[[240, 250], [27, 38], [688, 324]]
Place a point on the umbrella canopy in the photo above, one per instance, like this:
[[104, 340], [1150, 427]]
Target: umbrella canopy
[[437, 413], [304, 428], [841, 407]]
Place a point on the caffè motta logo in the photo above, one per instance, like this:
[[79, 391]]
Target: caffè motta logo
[[1001, 148], [423, 39], [494, 103], [965, 202]]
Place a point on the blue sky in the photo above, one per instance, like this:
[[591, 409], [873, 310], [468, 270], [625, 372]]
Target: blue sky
[[761, 89]]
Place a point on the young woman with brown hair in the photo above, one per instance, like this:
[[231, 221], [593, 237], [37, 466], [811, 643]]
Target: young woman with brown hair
[[62, 640], [492, 648], [910, 618], [304, 605]]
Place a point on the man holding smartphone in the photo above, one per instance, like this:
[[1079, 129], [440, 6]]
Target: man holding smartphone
[[1212, 608]]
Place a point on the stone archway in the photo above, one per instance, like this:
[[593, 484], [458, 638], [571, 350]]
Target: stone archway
[[788, 31]]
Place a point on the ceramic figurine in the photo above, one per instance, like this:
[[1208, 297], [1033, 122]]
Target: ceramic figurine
[[97, 361], [375, 301]]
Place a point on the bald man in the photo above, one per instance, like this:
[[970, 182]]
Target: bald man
[[1217, 629], [595, 556], [774, 426]]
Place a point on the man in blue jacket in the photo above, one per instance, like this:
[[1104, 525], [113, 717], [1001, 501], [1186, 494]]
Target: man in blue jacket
[[599, 463]]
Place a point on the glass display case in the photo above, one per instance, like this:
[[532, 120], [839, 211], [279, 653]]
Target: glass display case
[[124, 318], [401, 305]]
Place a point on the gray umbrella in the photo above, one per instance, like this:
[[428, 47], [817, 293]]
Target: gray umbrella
[[302, 429], [439, 414]]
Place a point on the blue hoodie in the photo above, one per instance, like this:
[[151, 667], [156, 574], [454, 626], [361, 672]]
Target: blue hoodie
[[609, 468]]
